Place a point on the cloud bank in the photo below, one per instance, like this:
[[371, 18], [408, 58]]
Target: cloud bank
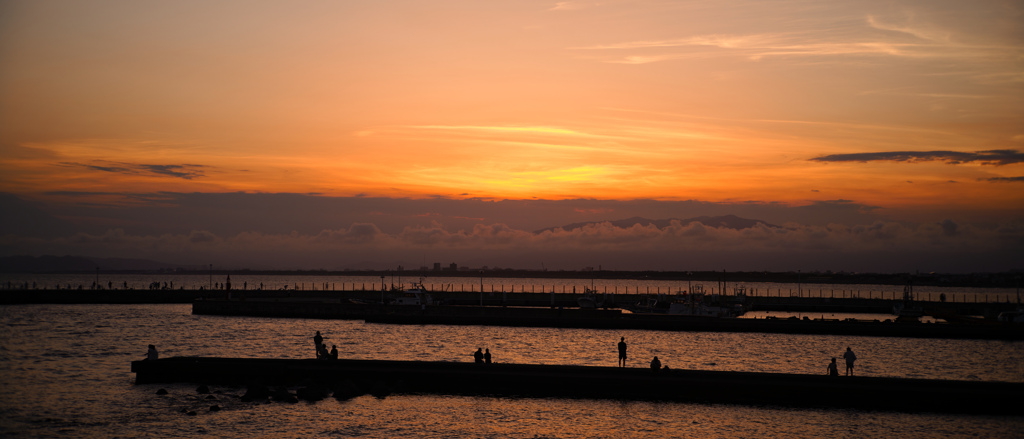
[[880, 246]]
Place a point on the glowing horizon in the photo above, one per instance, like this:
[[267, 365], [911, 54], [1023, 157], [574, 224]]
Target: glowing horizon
[[520, 100]]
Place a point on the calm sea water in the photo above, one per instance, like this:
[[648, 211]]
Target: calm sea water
[[64, 371]]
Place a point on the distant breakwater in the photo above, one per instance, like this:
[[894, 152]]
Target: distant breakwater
[[567, 314], [809, 299]]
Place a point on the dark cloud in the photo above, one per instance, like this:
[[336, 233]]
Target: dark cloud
[[115, 169], [26, 218], [995, 157], [185, 171], [230, 214], [1004, 179], [233, 213], [307, 231], [203, 236], [949, 227], [880, 246]]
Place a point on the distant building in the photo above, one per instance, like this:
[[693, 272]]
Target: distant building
[[437, 266], [453, 267]]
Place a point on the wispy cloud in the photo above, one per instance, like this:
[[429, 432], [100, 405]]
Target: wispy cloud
[[922, 32], [927, 95], [876, 38], [756, 47], [1005, 179], [184, 171], [545, 130], [568, 6], [722, 41], [996, 157]]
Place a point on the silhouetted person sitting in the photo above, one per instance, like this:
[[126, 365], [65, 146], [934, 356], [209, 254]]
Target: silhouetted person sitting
[[487, 356], [478, 356], [334, 352], [622, 352], [655, 363], [151, 353], [833, 369], [321, 352]]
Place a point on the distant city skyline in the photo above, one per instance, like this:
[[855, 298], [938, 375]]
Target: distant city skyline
[[878, 136]]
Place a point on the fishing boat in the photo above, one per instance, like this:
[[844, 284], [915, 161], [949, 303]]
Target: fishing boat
[[698, 303], [694, 302], [590, 299], [907, 310], [416, 296], [697, 307], [649, 305]]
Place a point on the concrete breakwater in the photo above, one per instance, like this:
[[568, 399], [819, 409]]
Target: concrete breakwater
[[588, 318], [527, 380], [809, 303], [69, 296], [823, 303]]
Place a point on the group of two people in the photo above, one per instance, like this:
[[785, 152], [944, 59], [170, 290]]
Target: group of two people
[[321, 348], [482, 356], [655, 362], [849, 356]]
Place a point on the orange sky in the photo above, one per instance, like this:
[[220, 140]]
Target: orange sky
[[713, 101]]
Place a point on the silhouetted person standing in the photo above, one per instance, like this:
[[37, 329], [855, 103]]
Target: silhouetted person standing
[[622, 352], [487, 356], [833, 370], [478, 356], [850, 357], [317, 341]]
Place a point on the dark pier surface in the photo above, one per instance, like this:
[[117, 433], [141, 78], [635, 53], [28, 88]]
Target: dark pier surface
[[353, 377], [591, 318]]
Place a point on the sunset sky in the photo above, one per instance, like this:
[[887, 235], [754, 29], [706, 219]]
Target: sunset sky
[[877, 135]]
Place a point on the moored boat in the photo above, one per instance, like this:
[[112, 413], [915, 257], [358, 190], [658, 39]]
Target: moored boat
[[416, 296]]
